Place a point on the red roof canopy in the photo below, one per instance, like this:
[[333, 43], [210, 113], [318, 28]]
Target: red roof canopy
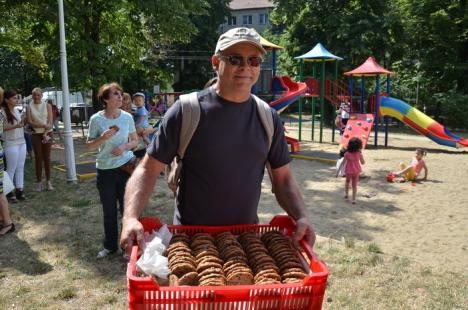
[[369, 67]]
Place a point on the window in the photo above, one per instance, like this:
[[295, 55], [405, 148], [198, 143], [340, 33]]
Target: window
[[232, 21], [263, 18], [247, 19]]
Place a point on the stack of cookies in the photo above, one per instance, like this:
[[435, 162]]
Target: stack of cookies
[[181, 261], [262, 264], [282, 251], [209, 265], [229, 260], [235, 266]]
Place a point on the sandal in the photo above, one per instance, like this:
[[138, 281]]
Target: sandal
[[12, 229]]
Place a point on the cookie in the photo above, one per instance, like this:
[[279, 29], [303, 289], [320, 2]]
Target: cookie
[[239, 278], [181, 269], [190, 278]]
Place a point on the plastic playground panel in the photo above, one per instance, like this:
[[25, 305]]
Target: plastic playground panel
[[359, 125], [145, 293]]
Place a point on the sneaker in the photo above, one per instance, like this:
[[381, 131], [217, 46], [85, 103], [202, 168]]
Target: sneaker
[[104, 253], [39, 187], [49, 186]]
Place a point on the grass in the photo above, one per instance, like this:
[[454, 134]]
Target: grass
[[49, 263]]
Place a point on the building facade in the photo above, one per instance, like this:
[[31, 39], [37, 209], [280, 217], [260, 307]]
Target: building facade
[[248, 13]]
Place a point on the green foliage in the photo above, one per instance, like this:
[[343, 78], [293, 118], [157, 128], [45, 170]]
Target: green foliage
[[141, 43], [424, 42], [110, 40], [197, 68]]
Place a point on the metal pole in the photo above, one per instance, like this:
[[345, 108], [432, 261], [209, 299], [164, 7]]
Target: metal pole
[[67, 133], [363, 93], [335, 93], [386, 118], [273, 62], [301, 78], [376, 108], [351, 88], [322, 98], [314, 76]]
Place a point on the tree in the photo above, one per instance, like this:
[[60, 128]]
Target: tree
[[436, 55], [106, 40], [195, 56]]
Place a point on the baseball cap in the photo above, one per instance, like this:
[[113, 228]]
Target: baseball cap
[[138, 94], [239, 35]]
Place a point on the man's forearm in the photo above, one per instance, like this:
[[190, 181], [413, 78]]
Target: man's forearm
[[138, 191], [290, 199]]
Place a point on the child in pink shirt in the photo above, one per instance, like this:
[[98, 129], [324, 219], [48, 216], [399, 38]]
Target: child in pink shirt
[[411, 172], [352, 160]]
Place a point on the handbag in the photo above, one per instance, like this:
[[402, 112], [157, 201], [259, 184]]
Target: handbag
[[130, 165]]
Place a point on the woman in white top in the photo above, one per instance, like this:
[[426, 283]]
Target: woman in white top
[[39, 116], [14, 145], [6, 224]]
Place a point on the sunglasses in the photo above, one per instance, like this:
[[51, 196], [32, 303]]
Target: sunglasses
[[237, 60]]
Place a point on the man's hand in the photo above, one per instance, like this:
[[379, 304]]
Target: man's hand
[[304, 230], [132, 231]]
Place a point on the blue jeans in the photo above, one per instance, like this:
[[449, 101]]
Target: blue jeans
[[111, 186], [28, 139]]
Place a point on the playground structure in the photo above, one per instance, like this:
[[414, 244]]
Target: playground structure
[[382, 105], [319, 55], [420, 122]]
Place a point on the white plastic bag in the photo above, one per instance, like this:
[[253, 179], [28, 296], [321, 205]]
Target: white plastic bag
[[340, 170], [7, 183], [152, 261]]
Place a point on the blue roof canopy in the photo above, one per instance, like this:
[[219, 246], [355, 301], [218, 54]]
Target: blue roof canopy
[[319, 52]]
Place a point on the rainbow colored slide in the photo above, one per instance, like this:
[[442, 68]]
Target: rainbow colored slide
[[420, 122], [292, 91]]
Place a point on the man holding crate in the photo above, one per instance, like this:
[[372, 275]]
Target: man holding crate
[[224, 162]]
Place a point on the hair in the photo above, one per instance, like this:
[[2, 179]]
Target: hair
[[354, 145], [128, 106], [104, 92], [11, 118], [50, 101], [211, 82], [1, 95], [126, 96], [422, 152], [36, 90]]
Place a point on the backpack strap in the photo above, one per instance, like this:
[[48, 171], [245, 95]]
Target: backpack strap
[[264, 111], [190, 119]]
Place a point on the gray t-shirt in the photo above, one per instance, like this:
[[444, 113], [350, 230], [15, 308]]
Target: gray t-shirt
[[224, 163]]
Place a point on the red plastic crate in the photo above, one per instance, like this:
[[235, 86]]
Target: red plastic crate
[[145, 293]]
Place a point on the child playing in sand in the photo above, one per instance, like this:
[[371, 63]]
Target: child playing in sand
[[411, 172], [352, 159], [141, 117]]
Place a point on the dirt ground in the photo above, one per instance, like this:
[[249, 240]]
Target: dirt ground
[[425, 221]]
